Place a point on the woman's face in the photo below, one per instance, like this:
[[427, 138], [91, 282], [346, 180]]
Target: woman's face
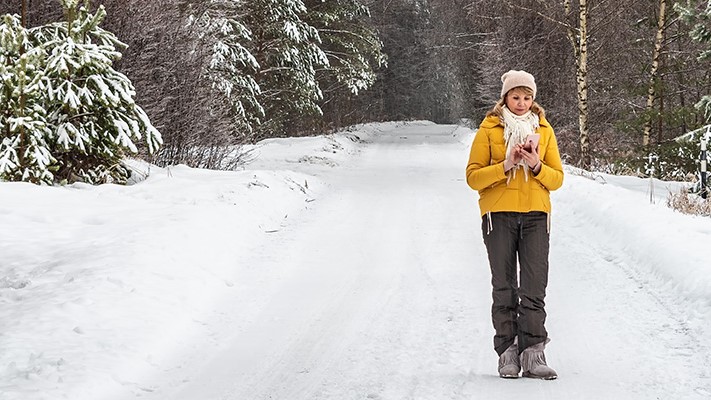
[[518, 101]]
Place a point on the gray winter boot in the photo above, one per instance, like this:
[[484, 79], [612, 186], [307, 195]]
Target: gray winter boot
[[509, 364], [533, 363]]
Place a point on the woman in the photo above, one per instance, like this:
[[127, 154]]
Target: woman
[[514, 184]]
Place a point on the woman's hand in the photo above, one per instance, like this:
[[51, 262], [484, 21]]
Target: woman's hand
[[513, 158], [532, 159]]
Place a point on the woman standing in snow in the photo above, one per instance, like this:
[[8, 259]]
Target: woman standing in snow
[[514, 184]]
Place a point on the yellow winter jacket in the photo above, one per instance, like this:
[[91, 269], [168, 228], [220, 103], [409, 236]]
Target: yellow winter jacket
[[485, 171]]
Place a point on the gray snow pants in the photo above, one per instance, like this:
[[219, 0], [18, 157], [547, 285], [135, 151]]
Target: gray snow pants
[[518, 307]]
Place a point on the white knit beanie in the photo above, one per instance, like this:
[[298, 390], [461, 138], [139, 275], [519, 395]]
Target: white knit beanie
[[513, 79]]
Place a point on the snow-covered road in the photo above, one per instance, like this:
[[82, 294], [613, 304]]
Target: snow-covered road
[[382, 288], [381, 291], [338, 269]]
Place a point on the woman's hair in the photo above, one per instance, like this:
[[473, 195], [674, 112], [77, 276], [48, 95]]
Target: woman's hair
[[535, 107]]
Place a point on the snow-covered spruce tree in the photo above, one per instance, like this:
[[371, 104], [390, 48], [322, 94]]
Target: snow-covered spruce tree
[[90, 105], [351, 45], [699, 15], [354, 51], [287, 50], [24, 155], [232, 67]]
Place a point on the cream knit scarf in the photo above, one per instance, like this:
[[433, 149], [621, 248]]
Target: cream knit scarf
[[516, 129]]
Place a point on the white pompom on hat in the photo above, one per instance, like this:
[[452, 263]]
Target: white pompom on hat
[[513, 79]]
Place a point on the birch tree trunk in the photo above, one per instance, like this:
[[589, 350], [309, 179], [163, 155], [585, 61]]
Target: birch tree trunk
[[653, 74], [577, 29], [579, 39]]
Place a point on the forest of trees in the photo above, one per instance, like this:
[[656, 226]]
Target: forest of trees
[[618, 78]]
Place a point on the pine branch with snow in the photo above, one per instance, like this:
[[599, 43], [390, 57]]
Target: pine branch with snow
[[24, 131]]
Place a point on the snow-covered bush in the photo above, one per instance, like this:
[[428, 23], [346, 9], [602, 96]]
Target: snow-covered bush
[[69, 115], [91, 106]]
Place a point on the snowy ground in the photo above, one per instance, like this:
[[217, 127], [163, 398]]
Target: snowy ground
[[341, 267]]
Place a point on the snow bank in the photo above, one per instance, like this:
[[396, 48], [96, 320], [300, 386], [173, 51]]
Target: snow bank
[[97, 277], [618, 209]]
